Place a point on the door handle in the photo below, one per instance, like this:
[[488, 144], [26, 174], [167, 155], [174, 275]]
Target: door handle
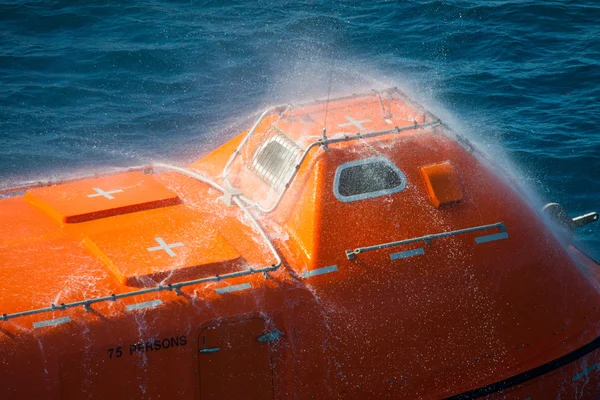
[[210, 349]]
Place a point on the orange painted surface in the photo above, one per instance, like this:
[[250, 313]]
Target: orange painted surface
[[231, 358], [442, 183], [101, 197], [504, 312], [167, 245]]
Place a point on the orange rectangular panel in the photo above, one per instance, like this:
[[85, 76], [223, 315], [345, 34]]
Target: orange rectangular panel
[[102, 197], [442, 183], [171, 244]]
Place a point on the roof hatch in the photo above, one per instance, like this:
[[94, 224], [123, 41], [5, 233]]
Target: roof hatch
[[169, 245], [102, 197]]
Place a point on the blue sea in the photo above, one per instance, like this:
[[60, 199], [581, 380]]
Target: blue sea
[[90, 85]]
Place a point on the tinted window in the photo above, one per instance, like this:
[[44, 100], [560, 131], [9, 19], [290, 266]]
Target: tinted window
[[368, 178]]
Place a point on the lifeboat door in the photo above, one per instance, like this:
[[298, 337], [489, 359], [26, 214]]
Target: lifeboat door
[[233, 364]]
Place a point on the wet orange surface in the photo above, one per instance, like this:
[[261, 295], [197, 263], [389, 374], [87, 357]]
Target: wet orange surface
[[101, 197], [474, 297]]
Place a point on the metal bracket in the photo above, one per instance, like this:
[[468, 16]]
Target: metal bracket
[[351, 254], [585, 219], [228, 195], [270, 336], [324, 140], [210, 349], [175, 289]]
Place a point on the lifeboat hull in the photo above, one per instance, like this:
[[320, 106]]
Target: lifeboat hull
[[355, 247]]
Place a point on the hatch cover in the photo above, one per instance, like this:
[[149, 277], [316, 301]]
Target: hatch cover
[[101, 197], [163, 245]]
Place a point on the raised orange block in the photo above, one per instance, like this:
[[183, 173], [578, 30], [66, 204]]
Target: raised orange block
[[168, 245], [102, 197], [442, 183]]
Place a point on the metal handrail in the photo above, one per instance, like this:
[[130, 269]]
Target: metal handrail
[[321, 143], [113, 297], [191, 174], [16, 189], [238, 198], [351, 254], [237, 151], [225, 173], [176, 287]]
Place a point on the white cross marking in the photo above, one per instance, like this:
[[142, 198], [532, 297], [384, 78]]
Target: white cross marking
[[164, 246], [100, 192], [352, 121]]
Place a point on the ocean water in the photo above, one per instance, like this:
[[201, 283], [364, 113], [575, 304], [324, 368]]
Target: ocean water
[[90, 85]]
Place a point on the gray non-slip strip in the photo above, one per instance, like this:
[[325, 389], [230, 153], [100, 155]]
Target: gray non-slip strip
[[51, 322], [234, 288], [491, 238], [146, 304], [320, 271], [407, 253]]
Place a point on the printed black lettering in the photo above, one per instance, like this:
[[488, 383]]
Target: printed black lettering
[[150, 345], [110, 353]]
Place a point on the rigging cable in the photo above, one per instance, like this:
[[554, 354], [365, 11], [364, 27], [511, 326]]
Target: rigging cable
[[335, 39]]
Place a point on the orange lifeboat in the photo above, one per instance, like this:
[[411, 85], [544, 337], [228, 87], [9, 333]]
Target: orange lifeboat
[[381, 257]]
